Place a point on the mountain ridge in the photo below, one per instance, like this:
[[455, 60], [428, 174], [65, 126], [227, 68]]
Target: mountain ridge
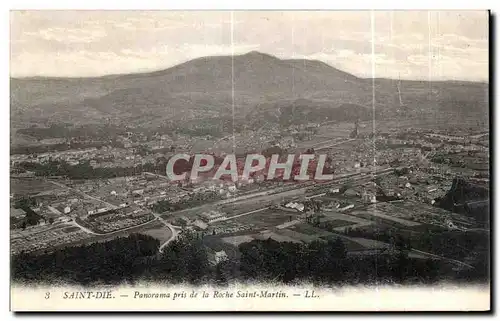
[[217, 86], [250, 53]]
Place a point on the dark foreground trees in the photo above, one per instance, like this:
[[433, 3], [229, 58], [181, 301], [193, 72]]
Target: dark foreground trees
[[136, 258]]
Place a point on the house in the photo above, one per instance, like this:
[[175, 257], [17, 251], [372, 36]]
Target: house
[[61, 219], [221, 256], [368, 197], [138, 192], [200, 224], [17, 212], [334, 190]]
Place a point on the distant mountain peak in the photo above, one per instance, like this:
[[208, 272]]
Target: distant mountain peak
[[255, 53]]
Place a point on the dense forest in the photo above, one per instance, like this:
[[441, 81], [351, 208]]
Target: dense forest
[[196, 200], [85, 170], [136, 258], [72, 145], [31, 218], [94, 131], [99, 135], [448, 243]]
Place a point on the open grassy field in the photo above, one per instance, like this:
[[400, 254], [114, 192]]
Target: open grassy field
[[267, 218], [215, 243], [237, 240], [308, 229], [341, 223], [236, 209], [161, 232], [335, 216], [277, 237], [378, 215], [305, 238], [30, 186], [70, 229], [103, 238]]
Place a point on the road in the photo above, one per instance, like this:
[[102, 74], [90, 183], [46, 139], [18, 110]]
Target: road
[[283, 194], [83, 228], [287, 193], [444, 258], [82, 193], [112, 232], [175, 234], [334, 144], [54, 210], [314, 196], [328, 141], [223, 138], [172, 228], [242, 214], [442, 216], [254, 197], [274, 193], [157, 175]]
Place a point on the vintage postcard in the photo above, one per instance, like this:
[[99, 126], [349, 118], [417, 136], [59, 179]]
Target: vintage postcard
[[249, 160]]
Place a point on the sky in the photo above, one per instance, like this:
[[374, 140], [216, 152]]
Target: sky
[[430, 45]]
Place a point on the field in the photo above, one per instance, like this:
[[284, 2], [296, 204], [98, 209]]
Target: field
[[340, 223], [236, 209], [70, 229], [305, 238], [30, 186], [267, 218], [277, 237], [103, 238], [45, 237], [308, 229], [335, 216], [237, 240], [349, 243], [354, 244], [159, 232], [215, 243], [477, 162], [378, 215]]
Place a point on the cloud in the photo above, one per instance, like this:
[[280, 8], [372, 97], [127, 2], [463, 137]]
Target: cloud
[[69, 35], [453, 45], [98, 63]]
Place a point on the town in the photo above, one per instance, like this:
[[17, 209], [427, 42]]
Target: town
[[400, 184]]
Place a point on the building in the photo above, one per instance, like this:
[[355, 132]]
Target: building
[[368, 197], [200, 224], [354, 133], [17, 213], [298, 206], [334, 190], [62, 219], [213, 216], [221, 256]]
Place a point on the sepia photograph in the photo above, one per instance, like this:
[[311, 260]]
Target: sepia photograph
[[249, 160]]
